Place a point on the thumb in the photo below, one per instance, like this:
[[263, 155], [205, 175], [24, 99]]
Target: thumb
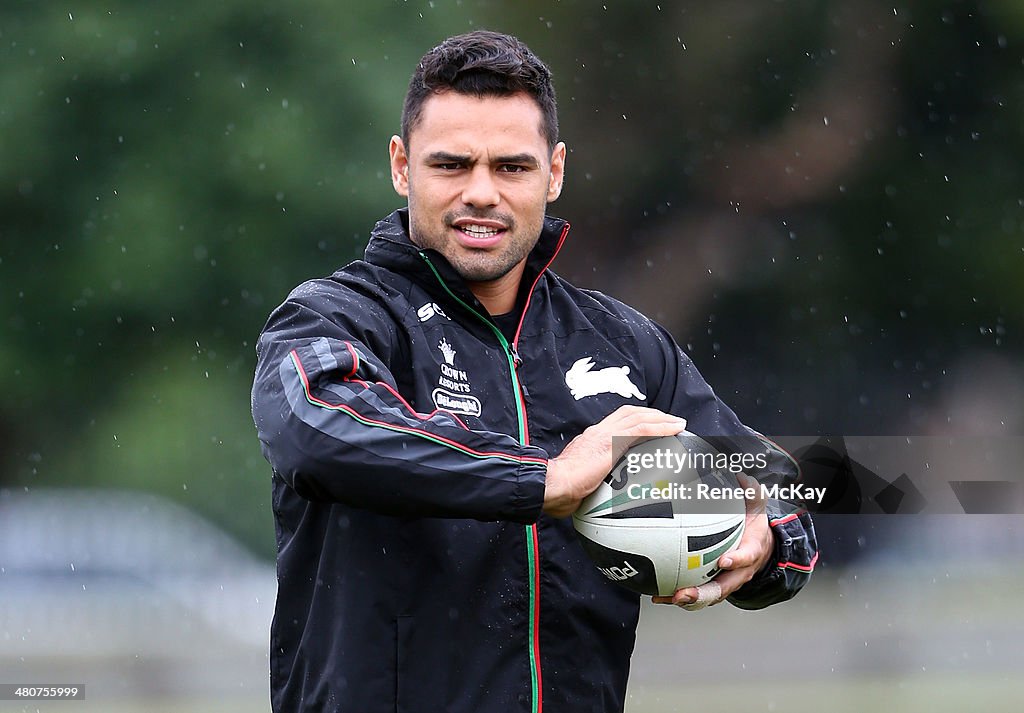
[[742, 556]]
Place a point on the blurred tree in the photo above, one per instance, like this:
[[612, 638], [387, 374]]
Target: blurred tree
[[167, 174]]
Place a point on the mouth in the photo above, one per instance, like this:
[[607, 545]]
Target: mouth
[[473, 233]]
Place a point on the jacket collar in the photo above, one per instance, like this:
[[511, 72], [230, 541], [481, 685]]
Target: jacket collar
[[391, 248]]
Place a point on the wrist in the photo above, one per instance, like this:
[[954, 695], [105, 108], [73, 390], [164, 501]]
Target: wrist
[[557, 500]]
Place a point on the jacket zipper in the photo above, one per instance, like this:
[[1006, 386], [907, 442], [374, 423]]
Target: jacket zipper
[[531, 530], [532, 543]]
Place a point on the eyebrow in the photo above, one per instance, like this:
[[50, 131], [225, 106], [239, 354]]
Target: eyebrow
[[525, 159]]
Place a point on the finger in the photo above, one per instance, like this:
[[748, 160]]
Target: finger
[[629, 411], [751, 550], [635, 431], [629, 434], [745, 555], [684, 596], [729, 582], [707, 594], [650, 425], [654, 428], [681, 596], [627, 416], [753, 494]]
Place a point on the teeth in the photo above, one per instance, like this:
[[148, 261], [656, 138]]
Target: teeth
[[478, 230]]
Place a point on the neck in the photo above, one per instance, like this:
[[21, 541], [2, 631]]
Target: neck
[[499, 296]]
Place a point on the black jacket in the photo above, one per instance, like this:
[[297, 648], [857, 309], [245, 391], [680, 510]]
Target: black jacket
[[409, 438]]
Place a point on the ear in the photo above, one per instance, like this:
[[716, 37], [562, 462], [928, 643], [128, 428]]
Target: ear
[[399, 166], [557, 171]]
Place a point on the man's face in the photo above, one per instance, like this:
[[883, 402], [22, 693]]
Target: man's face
[[478, 175]]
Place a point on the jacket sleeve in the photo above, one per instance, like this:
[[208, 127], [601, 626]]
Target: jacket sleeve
[[684, 392], [334, 427]]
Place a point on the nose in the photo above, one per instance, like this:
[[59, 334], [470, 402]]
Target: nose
[[480, 189]]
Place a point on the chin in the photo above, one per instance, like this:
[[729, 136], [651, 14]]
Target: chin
[[481, 273]]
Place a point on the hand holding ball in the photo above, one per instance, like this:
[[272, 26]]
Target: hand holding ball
[[669, 508]]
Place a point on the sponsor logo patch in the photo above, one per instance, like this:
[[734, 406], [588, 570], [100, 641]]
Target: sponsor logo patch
[[430, 309], [583, 381], [456, 403], [454, 392]]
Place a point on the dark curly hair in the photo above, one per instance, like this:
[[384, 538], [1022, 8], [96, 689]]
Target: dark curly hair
[[482, 63]]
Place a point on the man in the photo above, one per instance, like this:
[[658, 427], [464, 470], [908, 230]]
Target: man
[[426, 445]]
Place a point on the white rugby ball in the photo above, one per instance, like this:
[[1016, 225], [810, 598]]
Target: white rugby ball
[[664, 515]]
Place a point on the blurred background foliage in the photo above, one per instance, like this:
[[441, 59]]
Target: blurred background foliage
[[822, 200]]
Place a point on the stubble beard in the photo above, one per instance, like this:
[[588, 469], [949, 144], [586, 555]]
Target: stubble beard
[[476, 265]]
